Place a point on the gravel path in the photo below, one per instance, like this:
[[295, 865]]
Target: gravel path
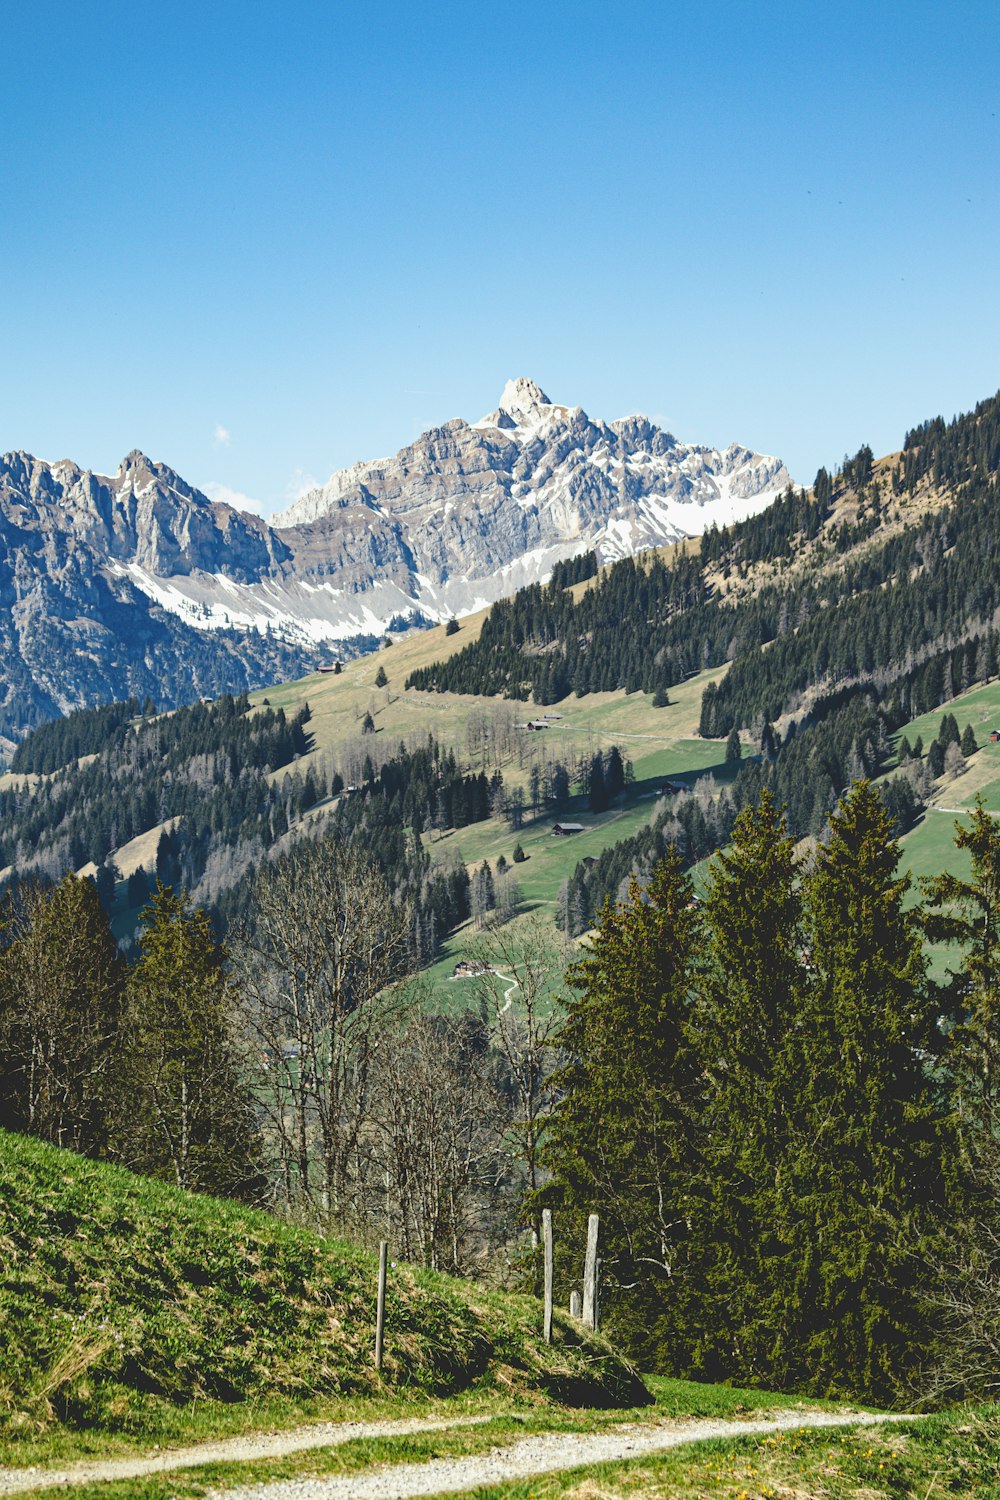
[[533, 1455], [226, 1450]]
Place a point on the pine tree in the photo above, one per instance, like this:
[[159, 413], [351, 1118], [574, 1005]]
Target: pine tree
[[596, 787], [748, 1004], [968, 912], [620, 1138], [189, 1117], [968, 745], [734, 749], [381, 680], [864, 1183]]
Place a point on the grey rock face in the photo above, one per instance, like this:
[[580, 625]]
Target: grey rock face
[[76, 628], [138, 582], [467, 507]]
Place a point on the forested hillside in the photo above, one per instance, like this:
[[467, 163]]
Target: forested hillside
[[200, 780], [867, 608], [308, 1063], [840, 615]]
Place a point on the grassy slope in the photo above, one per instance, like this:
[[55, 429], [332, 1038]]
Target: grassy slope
[[660, 742], [124, 1301], [929, 848]]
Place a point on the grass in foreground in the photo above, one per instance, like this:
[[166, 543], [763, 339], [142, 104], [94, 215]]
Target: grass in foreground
[[134, 1313]]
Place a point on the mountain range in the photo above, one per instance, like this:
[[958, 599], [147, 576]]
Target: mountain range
[[138, 583]]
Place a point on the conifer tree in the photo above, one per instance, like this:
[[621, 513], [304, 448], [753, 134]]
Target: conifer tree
[[747, 1006], [620, 1140], [864, 1183], [189, 1117], [968, 912]]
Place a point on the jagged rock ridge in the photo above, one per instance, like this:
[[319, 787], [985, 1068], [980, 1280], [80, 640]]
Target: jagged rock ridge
[[138, 582]]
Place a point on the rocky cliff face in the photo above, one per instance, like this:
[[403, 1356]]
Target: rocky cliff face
[[139, 583], [75, 629], [459, 515]]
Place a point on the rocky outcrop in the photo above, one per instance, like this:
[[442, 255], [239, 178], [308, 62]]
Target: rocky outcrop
[[138, 582], [456, 517]]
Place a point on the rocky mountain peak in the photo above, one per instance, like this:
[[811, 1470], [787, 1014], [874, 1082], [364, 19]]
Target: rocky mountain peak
[[136, 461], [522, 396], [463, 515]]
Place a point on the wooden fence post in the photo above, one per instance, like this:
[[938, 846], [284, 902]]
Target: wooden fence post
[[575, 1305], [597, 1294], [547, 1253], [383, 1260], [590, 1273]]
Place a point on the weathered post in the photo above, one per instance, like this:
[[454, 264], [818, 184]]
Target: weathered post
[[590, 1273], [383, 1261], [575, 1305], [547, 1253], [597, 1295]]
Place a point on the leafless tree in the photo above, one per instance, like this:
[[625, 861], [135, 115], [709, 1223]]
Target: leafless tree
[[435, 1141], [521, 968], [60, 1012], [319, 979], [966, 1295]]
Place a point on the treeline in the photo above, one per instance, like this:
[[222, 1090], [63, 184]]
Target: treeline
[[295, 1068], [137, 1063], [544, 644], [792, 518], [574, 570], [846, 738], [955, 452], [203, 776], [426, 788], [788, 1129], [88, 731], [928, 588], [206, 766]]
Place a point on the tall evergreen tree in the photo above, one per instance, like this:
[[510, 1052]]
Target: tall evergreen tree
[[747, 1007], [864, 1189], [620, 1139], [190, 1117], [968, 912]]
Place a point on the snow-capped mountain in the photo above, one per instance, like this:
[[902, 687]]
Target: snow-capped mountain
[[530, 483], [138, 582]]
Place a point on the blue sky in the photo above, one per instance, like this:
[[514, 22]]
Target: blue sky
[[262, 241]]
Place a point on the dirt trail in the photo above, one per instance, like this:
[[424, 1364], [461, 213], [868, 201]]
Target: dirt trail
[[542, 1453], [225, 1450]]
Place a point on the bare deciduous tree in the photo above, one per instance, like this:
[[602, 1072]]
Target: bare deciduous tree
[[435, 1142], [521, 966], [319, 980], [61, 983], [966, 1295]]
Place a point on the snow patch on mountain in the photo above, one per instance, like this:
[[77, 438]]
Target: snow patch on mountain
[[463, 516]]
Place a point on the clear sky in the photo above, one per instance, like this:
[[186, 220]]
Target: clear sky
[[261, 241]]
